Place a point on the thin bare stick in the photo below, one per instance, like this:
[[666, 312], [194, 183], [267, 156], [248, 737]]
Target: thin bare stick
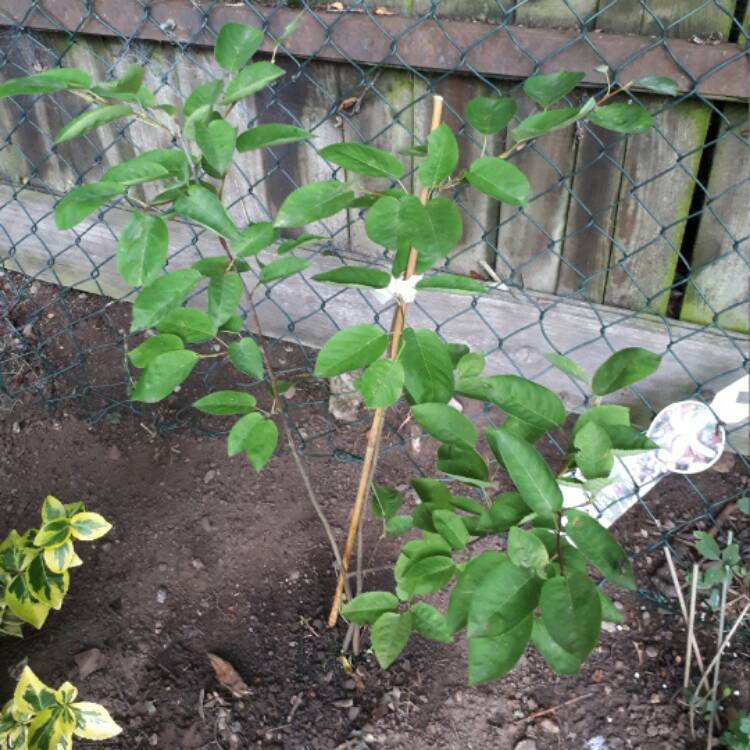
[[373, 436], [547, 711], [678, 588], [689, 654], [713, 718]]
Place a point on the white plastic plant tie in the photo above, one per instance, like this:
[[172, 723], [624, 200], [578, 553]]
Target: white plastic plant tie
[[399, 290], [691, 439], [732, 404]]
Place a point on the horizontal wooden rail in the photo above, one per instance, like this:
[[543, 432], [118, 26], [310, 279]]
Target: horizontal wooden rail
[[715, 71]]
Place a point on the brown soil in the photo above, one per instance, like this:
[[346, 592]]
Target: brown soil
[[207, 557]]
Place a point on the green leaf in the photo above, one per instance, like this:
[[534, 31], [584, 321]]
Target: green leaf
[[545, 122], [152, 347], [142, 249], [439, 234], [191, 325], [390, 634], [622, 118], [273, 134], [205, 95], [385, 501], [604, 415], [506, 595], [492, 658], [47, 82], [470, 365], [530, 402], [366, 608], [743, 505], [163, 374], [499, 179], [52, 508], [451, 528], [156, 164], [254, 238], [624, 368], [312, 202], [463, 463], [362, 159], [558, 659], [600, 548], [246, 356], [202, 206], [428, 368], [567, 365], [130, 82], [350, 349], [89, 526], [304, 239], [594, 451], [444, 423], [659, 84], [90, 120], [398, 525], [32, 612], [432, 491], [507, 510], [93, 722], [395, 222], [628, 440], [430, 623], [468, 581], [216, 141], [161, 296], [235, 44], [442, 156], [456, 352], [490, 115], [548, 89], [357, 276], [428, 575], [241, 431], [526, 550], [707, 546], [53, 533], [528, 470], [81, 201], [451, 283], [225, 403], [252, 79], [59, 559], [610, 613], [572, 613], [224, 295], [381, 383]]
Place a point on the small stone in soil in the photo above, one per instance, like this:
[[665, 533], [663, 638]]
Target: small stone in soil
[[90, 661], [161, 595]]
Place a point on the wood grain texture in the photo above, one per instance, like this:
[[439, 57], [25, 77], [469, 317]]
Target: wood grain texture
[[719, 288], [515, 331]]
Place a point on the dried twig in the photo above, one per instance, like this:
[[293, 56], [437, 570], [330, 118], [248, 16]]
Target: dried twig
[[689, 654], [547, 711]]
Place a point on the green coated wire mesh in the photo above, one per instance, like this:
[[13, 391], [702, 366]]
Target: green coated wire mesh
[[642, 240]]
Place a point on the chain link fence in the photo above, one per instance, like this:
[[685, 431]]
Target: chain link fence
[[626, 241]]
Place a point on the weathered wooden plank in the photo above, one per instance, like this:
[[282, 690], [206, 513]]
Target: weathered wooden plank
[[529, 240], [515, 331], [721, 70], [555, 14], [593, 207], [719, 289], [657, 187]]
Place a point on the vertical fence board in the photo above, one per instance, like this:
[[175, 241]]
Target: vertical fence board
[[720, 278], [588, 234]]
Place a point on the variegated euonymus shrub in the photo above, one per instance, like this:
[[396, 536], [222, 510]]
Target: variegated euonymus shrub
[[35, 567], [40, 718], [497, 593]]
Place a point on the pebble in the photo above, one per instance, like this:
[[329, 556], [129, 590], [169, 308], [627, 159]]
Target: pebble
[[90, 661], [161, 595], [113, 453], [198, 564], [526, 745], [652, 652], [547, 725], [209, 476]]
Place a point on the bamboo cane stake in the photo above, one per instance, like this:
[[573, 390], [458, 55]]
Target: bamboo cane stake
[[373, 436]]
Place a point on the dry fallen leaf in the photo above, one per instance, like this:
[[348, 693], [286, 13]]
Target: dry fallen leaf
[[598, 676], [381, 11], [228, 676], [335, 7], [348, 103]]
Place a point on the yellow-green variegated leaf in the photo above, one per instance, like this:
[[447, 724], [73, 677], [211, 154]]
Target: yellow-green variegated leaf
[[30, 611], [89, 526], [60, 558], [52, 509], [10, 625], [66, 694], [76, 561], [46, 585], [51, 730], [93, 722], [53, 534], [31, 694]]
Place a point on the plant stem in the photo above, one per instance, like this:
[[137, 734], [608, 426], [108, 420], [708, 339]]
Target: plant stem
[[376, 428], [689, 654]]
